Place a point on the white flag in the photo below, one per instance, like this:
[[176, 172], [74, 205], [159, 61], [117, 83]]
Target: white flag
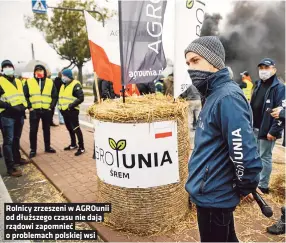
[[189, 17]]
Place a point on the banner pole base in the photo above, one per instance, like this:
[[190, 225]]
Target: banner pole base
[[123, 93]]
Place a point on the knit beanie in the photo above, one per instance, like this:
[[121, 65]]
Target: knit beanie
[[210, 48], [67, 73], [6, 63]]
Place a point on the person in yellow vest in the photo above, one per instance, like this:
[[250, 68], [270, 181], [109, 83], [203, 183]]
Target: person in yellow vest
[[12, 110], [70, 97], [42, 96], [248, 85]]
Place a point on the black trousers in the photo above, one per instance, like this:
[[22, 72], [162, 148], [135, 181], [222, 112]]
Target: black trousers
[[35, 117], [52, 115], [72, 125], [216, 225], [12, 131]]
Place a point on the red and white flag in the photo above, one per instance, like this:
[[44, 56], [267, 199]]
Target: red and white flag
[[105, 51], [163, 129]]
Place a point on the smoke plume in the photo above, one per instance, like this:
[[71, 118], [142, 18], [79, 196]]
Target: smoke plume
[[252, 31]]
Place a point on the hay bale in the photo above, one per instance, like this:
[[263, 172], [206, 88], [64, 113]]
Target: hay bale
[[278, 186], [146, 211]]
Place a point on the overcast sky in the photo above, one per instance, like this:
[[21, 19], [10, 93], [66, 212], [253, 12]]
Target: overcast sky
[[15, 40]]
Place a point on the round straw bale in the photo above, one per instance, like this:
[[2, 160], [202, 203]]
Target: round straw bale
[[146, 211]]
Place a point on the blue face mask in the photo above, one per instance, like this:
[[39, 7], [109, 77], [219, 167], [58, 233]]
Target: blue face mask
[[8, 71]]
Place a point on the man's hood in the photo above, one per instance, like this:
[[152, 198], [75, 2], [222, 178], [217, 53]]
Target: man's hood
[[42, 67]]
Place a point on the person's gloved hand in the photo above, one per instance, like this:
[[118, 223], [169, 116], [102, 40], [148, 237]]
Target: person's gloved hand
[[19, 108], [70, 107]]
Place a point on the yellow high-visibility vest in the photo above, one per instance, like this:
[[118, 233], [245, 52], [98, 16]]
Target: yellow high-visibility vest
[[66, 97], [12, 95], [40, 100], [248, 90], [24, 81]]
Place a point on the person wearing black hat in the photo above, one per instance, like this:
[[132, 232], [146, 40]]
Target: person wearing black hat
[[42, 97], [224, 165], [12, 109], [268, 94]]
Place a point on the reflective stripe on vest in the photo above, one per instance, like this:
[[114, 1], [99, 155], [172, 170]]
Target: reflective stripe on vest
[[40, 100], [248, 90], [12, 95], [65, 97]]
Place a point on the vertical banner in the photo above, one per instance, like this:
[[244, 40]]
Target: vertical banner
[[189, 17], [141, 28]]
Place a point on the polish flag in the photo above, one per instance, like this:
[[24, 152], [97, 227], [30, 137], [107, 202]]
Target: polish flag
[[105, 51], [163, 130]]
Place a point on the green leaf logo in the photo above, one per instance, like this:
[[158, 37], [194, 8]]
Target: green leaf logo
[[190, 3], [112, 143], [121, 145]]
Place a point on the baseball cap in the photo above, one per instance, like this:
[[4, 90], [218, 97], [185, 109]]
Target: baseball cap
[[266, 62]]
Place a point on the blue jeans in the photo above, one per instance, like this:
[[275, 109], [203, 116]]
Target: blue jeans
[[265, 148], [12, 131], [61, 118]]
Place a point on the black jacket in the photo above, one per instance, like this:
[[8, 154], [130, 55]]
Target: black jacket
[[107, 91], [54, 93], [11, 112], [58, 83], [273, 98], [146, 88]]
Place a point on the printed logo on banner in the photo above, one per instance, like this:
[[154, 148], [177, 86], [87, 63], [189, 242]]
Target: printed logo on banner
[[147, 151], [189, 4]]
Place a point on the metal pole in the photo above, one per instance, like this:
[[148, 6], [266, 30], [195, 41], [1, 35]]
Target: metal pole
[[121, 49], [80, 10], [33, 53]]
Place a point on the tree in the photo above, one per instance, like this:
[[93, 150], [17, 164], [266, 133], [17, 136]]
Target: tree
[[66, 32]]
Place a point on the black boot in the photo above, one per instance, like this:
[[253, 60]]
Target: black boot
[[70, 147], [79, 151], [279, 227], [50, 150]]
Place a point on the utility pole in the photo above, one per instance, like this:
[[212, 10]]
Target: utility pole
[[33, 53]]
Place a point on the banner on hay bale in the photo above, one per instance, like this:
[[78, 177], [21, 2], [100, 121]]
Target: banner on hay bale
[[140, 155]]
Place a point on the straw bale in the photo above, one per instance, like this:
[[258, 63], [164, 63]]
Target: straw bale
[[278, 186], [146, 211]]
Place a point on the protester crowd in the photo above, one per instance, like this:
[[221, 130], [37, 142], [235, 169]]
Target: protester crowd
[[39, 95], [236, 124]]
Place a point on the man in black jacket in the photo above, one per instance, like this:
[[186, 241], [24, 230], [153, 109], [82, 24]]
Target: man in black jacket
[[268, 94], [71, 96], [42, 97], [13, 106]]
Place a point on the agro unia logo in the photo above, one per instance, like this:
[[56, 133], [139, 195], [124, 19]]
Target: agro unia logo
[[119, 146], [189, 3], [119, 157]]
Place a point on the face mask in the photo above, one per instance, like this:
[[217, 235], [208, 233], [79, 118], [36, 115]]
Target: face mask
[[200, 80], [65, 79], [39, 75], [8, 71], [265, 74]]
